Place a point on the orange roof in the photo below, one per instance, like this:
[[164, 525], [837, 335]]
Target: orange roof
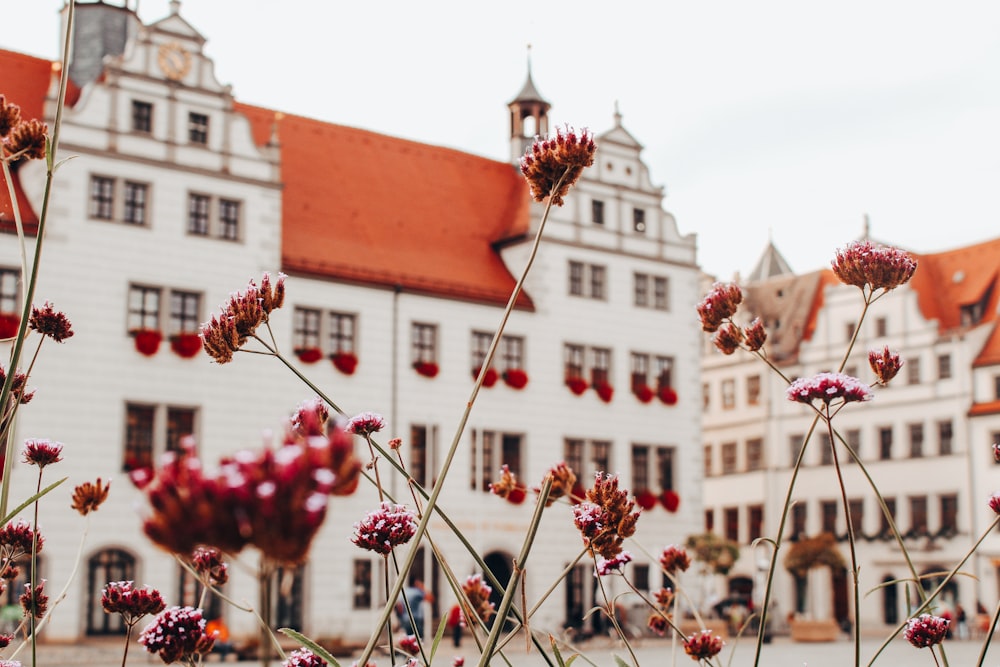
[[369, 208], [979, 409], [948, 280]]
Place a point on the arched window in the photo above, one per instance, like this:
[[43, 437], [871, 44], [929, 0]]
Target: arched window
[[103, 567]]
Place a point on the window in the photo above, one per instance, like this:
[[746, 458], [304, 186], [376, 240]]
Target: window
[[640, 370], [480, 347], [856, 510], [229, 219], [135, 203], [587, 457], [102, 567], [418, 454], [139, 421], [709, 463], [728, 458], [576, 278], [753, 389], [639, 220], [661, 293], [881, 327], [184, 312], [913, 370], [102, 197], [343, 328], [664, 369], [853, 437], [885, 443], [885, 529], [755, 522], [143, 308], [142, 117], [287, 586], [945, 438], [828, 513], [305, 326], [362, 598], [732, 520], [512, 352], [600, 456], [574, 360], [706, 395], [665, 457], [849, 328], [995, 439], [579, 283], [8, 290], [918, 515], [600, 368], [640, 576], [944, 366], [198, 212], [755, 454], [641, 289], [640, 467], [490, 451], [795, 444], [198, 128], [799, 519], [949, 514], [916, 441], [597, 280], [728, 394], [996, 387], [180, 424], [825, 450], [709, 521], [597, 211], [424, 343], [189, 594]]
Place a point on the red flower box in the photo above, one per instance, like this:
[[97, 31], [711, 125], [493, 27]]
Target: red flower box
[[577, 385], [516, 495], [185, 345], [516, 378], [668, 395], [9, 324], [578, 494], [489, 379], [345, 362], [147, 341], [670, 500], [309, 355], [428, 369], [605, 391], [646, 499], [644, 393]]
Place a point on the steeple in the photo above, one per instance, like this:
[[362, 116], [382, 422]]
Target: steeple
[[770, 264], [528, 116]]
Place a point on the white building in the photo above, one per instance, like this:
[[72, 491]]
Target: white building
[[925, 439], [397, 252]]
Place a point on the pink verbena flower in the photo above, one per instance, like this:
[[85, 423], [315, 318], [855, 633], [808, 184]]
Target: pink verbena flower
[[409, 644], [50, 322], [703, 645], [755, 335], [728, 338], [884, 364], [864, 263], [557, 161], [303, 657], [478, 593], [5, 640], [926, 630], [365, 423], [10, 663], [719, 305], [239, 318], [122, 597], [459, 661], [35, 603], [18, 388], [310, 418], [657, 622], [16, 539], [606, 566], [828, 387], [385, 528], [177, 633], [996, 452], [208, 563], [508, 487], [995, 502], [674, 559], [42, 452]]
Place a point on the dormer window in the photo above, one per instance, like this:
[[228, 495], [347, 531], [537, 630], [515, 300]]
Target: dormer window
[[972, 313]]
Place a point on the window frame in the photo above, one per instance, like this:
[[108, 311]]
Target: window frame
[[101, 199], [185, 312], [142, 117], [423, 342], [140, 315], [135, 197], [198, 124]]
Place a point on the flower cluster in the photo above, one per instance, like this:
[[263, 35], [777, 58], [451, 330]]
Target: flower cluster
[[303, 657], [274, 500], [674, 559], [508, 487], [409, 644], [563, 481], [994, 503], [478, 594], [719, 305], [35, 603], [18, 137], [18, 390], [365, 423], [122, 597], [926, 630], [385, 528], [828, 387], [42, 452], [16, 539], [50, 322], [863, 263], [88, 497], [208, 563], [177, 633], [659, 618], [703, 645], [884, 364], [606, 566], [551, 166], [606, 517], [227, 332]]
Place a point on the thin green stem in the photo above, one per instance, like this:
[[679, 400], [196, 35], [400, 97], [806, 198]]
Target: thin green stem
[[613, 617], [989, 637], [851, 541]]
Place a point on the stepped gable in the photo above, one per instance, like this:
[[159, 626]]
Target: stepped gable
[[369, 208]]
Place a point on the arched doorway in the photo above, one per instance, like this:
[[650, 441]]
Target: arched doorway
[[104, 567], [500, 564]]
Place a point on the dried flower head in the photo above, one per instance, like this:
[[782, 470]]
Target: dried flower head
[[606, 566], [365, 423], [863, 263], [828, 387], [385, 528], [563, 481], [18, 387], [239, 318], [42, 452], [208, 563], [122, 597], [664, 598], [478, 593], [27, 140], [395, 443], [176, 634], [16, 539], [728, 338], [994, 502], [551, 166], [884, 364], [607, 517], [10, 116], [88, 497], [925, 630], [409, 644], [658, 623], [675, 559], [35, 604], [719, 305], [310, 418], [50, 322], [754, 335], [703, 645], [303, 657], [508, 487]]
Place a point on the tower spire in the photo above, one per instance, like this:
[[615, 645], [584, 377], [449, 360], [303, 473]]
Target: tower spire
[[528, 116]]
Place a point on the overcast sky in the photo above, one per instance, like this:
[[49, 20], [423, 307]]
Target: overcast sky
[[784, 118]]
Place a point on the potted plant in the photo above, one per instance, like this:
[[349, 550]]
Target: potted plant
[[803, 557], [667, 395], [345, 362], [185, 344], [308, 355], [670, 500], [577, 384], [9, 324], [515, 378], [489, 378], [644, 392], [645, 499], [604, 390], [147, 341], [428, 369]]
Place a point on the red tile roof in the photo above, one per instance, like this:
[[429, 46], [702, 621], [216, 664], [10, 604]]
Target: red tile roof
[[989, 408], [948, 280]]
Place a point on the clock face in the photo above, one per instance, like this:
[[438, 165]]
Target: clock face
[[174, 61]]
